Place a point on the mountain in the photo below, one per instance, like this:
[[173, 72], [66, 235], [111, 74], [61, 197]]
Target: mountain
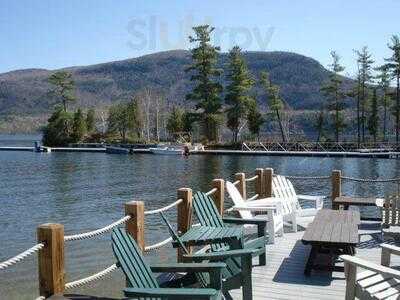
[[26, 92]]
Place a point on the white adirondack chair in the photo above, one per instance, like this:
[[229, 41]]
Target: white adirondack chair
[[271, 210], [282, 188], [376, 281]]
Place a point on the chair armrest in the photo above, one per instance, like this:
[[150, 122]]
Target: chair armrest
[[173, 293], [358, 262], [256, 208], [186, 267], [311, 198], [387, 251], [240, 221], [264, 201], [220, 255]]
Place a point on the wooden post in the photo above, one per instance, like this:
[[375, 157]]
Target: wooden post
[[260, 187], [135, 225], [268, 176], [51, 259], [218, 196], [336, 185], [242, 184], [184, 217], [350, 271]]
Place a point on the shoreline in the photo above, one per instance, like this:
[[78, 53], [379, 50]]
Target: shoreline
[[123, 150]]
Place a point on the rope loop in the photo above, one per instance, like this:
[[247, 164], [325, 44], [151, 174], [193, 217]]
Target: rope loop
[[98, 276], [157, 246], [162, 209], [251, 178], [214, 190], [16, 259], [91, 234], [370, 180]]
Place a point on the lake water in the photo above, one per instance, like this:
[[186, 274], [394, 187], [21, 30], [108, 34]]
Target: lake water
[[85, 191]]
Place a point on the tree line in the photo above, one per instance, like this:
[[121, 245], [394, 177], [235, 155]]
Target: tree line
[[210, 106], [375, 98]]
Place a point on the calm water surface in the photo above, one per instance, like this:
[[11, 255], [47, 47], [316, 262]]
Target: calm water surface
[[85, 191]]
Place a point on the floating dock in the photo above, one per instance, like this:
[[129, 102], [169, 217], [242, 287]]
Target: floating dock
[[121, 150]]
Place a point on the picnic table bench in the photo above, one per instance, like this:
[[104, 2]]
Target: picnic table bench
[[334, 232]]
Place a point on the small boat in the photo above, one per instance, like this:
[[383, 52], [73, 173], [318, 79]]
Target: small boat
[[167, 150], [116, 150]]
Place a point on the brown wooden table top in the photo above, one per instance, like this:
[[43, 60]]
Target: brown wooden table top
[[360, 201], [333, 227]]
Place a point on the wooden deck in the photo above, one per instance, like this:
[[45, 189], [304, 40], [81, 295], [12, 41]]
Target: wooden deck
[[283, 278]]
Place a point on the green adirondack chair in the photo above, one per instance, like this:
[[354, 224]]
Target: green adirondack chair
[[238, 266], [141, 279], [208, 215]]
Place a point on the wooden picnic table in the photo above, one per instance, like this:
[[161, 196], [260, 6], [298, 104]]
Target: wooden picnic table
[[346, 201], [205, 235], [334, 232]]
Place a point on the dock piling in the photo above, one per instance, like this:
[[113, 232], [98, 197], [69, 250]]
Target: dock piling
[[218, 196], [260, 186], [51, 259], [135, 225], [184, 216], [336, 184], [242, 184], [268, 176]]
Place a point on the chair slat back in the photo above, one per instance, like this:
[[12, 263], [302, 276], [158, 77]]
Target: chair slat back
[[391, 211], [206, 210], [238, 200], [293, 193], [131, 260], [280, 190], [208, 215]]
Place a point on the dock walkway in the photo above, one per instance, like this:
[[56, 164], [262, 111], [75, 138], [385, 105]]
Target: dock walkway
[[282, 278]]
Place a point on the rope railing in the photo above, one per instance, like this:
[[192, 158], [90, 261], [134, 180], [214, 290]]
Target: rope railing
[[305, 177], [91, 234], [98, 276], [236, 182], [251, 178], [16, 259], [157, 246], [370, 180], [156, 211], [253, 198], [214, 190]]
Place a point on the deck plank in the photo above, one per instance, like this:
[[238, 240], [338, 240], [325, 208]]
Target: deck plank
[[282, 278]]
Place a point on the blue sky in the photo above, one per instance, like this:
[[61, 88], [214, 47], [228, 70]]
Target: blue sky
[[54, 34]]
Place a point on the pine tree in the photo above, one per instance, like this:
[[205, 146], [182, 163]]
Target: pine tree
[[373, 121], [63, 87], [384, 86], [365, 62], [175, 122], [275, 101], [394, 66], [320, 124], [207, 91], [90, 120], [254, 118], [121, 119], [237, 92], [79, 126], [334, 94], [59, 128]]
